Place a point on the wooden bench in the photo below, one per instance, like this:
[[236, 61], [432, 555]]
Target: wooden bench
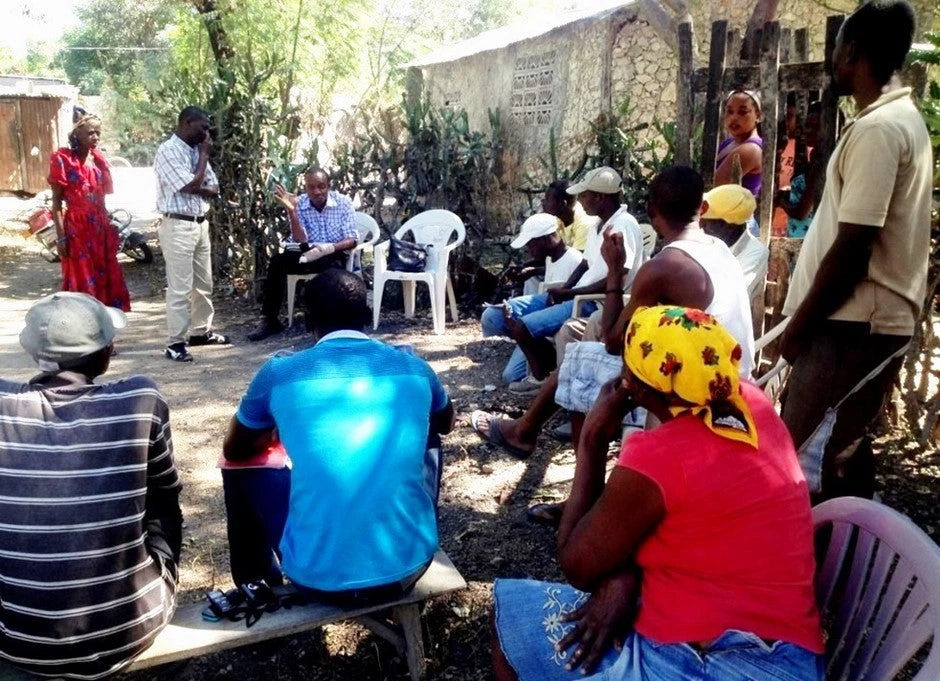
[[188, 635]]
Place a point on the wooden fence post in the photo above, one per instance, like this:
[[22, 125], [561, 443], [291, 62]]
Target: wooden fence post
[[769, 86], [829, 118], [713, 98], [800, 44], [685, 102]]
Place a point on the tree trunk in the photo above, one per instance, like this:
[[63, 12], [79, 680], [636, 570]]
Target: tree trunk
[[218, 38], [764, 11]]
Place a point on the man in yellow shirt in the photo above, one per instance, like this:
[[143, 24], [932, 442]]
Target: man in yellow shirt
[[576, 223]]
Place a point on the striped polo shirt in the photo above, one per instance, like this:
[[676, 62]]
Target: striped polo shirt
[[89, 523]]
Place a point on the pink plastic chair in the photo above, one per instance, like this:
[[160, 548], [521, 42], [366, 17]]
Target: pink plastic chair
[[878, 589]]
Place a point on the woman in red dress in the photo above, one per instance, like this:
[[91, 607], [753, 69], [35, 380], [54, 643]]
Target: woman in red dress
[[88, 243]]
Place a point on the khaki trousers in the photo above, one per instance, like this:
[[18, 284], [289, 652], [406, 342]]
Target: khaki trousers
[[187, 252]]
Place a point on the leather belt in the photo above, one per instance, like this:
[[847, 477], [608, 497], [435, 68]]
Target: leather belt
[[188, 218]]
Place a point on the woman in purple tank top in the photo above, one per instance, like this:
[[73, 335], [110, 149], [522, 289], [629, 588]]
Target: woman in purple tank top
[[742, 114]]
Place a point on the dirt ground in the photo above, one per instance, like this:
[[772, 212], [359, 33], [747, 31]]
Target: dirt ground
[[484, 496]]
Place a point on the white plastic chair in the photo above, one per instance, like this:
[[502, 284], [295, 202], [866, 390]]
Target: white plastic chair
[[369, 233], [772, 382], [433, 228], [879, 586]]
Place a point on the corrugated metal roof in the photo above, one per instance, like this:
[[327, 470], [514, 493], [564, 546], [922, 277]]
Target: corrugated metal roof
[[514, 33], [35, 86]]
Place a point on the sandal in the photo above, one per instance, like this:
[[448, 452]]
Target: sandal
[[495, 436], [546, 514]]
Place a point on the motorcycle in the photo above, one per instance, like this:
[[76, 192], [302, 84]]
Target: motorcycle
[[132, 244]]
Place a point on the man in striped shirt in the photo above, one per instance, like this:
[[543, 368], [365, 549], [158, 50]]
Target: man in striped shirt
[[90, 523]]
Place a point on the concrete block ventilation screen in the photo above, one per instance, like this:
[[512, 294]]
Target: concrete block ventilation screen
[[532, 85]]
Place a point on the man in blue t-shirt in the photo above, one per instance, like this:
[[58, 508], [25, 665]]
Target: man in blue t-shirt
[[360, 421]]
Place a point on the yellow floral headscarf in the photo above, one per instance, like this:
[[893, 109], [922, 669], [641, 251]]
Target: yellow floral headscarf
[[687, 353]]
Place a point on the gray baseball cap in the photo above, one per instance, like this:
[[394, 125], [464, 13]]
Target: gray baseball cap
[[66, 327], [603, 180]]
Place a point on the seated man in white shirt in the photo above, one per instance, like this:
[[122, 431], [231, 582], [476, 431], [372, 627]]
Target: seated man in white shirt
[[532, 319], [539, 236], [323, 225], [726, 211]]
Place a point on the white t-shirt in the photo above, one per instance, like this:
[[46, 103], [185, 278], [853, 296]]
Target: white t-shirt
[[558, 271], [730, 302], [752, 256], [626, 224]]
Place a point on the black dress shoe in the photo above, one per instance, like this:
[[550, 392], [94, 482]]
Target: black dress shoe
[[210, 338], [267, 328], [178, 352]]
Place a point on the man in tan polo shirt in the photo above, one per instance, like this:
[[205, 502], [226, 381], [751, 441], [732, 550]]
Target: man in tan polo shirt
[[860, 281]]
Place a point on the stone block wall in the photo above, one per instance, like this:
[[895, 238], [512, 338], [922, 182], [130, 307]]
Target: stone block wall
[[556, 80], [551, 81]]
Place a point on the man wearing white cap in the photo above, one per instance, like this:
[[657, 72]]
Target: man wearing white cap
[[89, 497], [600, 194], [539, 236]]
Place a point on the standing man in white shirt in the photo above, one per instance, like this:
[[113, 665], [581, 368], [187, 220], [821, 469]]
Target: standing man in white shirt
[[185, 182]]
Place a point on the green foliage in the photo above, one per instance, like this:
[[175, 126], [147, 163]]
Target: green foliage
[[621, 146], [930, 105], [131, 40], [38, 61], [635, 150], [921, 401], [412, 157]]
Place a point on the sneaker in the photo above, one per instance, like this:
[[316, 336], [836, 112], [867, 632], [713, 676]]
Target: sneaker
[[266, 329], [526, 386], [178, 352], [210, 338]]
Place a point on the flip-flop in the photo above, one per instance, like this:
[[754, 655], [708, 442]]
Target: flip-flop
[[495, 436], [546, 514]]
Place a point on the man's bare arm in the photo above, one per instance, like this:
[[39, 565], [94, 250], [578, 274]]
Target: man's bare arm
[[242, 443]]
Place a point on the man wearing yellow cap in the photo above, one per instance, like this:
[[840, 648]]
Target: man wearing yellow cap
[[726, 211]]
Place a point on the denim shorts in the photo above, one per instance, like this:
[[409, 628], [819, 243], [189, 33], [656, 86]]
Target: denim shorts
[[528, 613]]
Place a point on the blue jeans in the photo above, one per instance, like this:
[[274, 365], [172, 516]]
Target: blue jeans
[[541, 319], [256, 505], [528, 625]]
